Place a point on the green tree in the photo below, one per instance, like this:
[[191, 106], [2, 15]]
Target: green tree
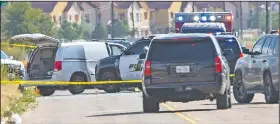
[[252, 22], [121, 28], [70, 31], [21, 18], [100, 31]]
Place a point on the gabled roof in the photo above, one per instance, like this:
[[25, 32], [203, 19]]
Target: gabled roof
[[125, 5], [159, 5], [46, 7], [69, 5]]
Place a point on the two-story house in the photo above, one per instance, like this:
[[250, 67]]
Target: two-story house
[[72, 12], [162, 15], [136, 15], [54, 9]]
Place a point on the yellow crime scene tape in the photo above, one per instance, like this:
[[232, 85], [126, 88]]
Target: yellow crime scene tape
[[19, 45], [231, 75], [67, 83]]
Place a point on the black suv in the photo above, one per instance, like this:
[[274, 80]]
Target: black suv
[[183, 68], [231, 48], [258, 71]]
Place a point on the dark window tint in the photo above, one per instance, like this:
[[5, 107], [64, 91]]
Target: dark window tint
[[182, 50], [276, 46], [229, 46], [137, 48], [201, 30], [266, 45], [258, 45]]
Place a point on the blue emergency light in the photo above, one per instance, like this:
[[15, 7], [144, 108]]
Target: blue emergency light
[[203, 17]]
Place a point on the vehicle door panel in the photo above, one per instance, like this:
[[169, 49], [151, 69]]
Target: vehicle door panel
[[129, 66], [252, 77]]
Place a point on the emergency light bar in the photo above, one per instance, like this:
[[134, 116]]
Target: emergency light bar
[[203, 17]]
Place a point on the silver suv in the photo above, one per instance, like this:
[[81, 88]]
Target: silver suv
[[55, 61]]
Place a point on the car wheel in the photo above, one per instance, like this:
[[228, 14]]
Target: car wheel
[[271, 95], [240, 92], [46, 91], [150, 104], [77, 89], [223, 100], [110, 88]]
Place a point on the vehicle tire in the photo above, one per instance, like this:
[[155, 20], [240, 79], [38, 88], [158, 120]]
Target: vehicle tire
[[223, 100], [46, 91], [77, 89], [150, 104], [110, 88], [240, 91], [271, 95]]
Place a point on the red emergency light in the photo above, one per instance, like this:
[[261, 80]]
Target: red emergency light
[[222, 17]]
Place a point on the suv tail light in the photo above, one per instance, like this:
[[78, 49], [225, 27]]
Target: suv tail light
[[57, 66], [240, 55], [147, 71], [218, 64]]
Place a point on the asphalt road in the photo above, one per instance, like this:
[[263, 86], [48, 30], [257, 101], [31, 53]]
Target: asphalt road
[[97, 107]]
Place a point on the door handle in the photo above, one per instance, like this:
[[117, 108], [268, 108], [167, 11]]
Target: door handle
[[254, 61], [264, 61]]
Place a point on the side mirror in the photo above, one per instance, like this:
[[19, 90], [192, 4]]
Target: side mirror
[[142, 56], [146, 48], [245, 50], [11, 57]]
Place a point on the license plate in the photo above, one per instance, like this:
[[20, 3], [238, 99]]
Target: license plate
[[182, 69]]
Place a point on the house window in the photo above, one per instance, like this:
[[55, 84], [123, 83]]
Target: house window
[[131, 16], [145, 15], [171, 15], [60, 20], [140, 17], [251, 12], [76, 18], [122, 16], [87, 18], [137, 17], [70, 17], [54, 19], [99, 17]]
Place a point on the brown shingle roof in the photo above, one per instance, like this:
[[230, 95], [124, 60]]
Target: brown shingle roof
[[46, 7], [69, 5]]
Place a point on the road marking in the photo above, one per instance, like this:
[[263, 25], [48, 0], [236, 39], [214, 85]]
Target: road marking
[[191, 121]]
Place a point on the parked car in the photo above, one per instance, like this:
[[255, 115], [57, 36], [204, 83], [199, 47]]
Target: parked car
[[53, 61], [121, 67], [15, 68], [258, 71], [183, 68]]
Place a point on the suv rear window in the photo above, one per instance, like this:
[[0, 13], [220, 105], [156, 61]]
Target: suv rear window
[[228, 44], [196, 49]]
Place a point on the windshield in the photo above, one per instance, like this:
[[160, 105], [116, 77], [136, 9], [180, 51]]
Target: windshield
[[4, 55], [201, 30]]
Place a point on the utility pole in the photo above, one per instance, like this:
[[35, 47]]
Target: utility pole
[[193, 6], [224, 6], [133, 26], [279, 56], [112, 20], [266, 18], [241, 20], [257, 15]]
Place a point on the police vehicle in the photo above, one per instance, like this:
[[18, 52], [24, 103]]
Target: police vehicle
[[126, 66], [224, 18]]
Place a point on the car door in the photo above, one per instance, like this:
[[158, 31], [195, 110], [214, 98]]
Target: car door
[[116, 49], [260, 64], [129, 67], [250, 77]]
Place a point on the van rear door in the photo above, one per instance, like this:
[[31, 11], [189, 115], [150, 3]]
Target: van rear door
[[184, 61], [35, 39]]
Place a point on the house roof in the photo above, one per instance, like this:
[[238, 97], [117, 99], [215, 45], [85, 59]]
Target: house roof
[[201, 5], [69, 5], [125, 5], [46, 7], [159, 5]]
